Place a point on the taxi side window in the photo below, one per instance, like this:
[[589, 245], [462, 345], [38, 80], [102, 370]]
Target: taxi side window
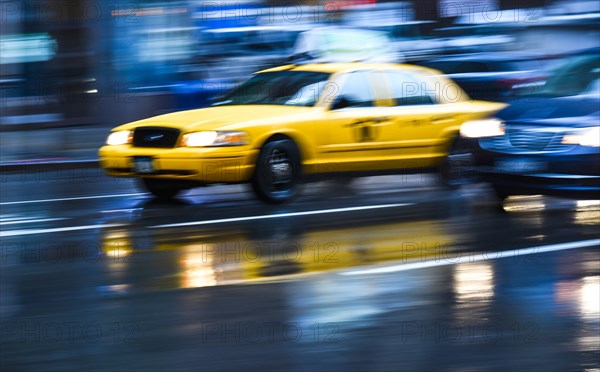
[[408, 90], [356, 92]]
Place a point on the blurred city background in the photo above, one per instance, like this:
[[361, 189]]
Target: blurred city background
[[90, 65]]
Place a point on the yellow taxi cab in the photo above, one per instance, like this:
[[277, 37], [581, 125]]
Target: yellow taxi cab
[[298, 122]]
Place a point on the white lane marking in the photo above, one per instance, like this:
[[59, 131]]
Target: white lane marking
[[207, 222], [127, 210], [31, 221], [281, 215], [411, 189], [74, 198], [476, 258], [54, 230]]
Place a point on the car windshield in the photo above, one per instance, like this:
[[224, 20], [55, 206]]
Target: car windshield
[[291, 88], [573, 78]]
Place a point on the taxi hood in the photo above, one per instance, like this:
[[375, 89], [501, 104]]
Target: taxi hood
[[220, 117]]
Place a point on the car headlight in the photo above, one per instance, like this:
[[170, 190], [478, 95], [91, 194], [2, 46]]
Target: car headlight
[[482, 128], [210, 138], [122, 137], [585, 137]]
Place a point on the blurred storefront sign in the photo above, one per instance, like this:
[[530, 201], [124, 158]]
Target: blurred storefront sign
[[27, 48], [453, 8]]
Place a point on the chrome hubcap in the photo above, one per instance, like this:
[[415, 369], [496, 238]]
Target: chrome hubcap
[[281, 168]]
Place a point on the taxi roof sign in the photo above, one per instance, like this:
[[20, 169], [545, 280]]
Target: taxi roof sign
[[339, 44]]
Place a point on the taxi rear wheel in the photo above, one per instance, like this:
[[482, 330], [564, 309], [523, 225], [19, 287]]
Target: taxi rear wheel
[[454, 168], [161, 189], [277, 171]]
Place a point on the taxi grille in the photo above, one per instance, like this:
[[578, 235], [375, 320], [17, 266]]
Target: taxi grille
[[155, 137]]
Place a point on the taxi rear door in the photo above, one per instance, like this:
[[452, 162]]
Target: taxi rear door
[[421, 123], [357, 135]]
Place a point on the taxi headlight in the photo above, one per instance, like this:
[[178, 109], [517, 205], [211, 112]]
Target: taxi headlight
[[482, 128], [211, 138], [122, 137], [589, 137]]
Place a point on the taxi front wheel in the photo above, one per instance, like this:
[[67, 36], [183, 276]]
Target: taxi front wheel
[[277, 171], [161, 189]]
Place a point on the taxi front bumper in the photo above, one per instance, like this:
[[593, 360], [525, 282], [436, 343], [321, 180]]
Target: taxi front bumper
[[202, 165]]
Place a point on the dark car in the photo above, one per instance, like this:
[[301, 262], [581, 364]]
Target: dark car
[[545, 144], [493, 76]]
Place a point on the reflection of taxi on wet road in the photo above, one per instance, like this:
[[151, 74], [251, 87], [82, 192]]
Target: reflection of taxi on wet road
[[233, 255], [292, 122]]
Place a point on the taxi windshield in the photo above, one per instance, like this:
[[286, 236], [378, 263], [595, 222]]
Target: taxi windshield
[[291, 88]]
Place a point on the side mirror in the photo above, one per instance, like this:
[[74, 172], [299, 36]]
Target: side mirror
[[340, 103]]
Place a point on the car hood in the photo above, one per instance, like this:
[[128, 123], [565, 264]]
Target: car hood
[[221, 117], [576, 111]]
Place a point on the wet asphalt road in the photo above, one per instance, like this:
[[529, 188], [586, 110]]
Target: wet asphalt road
[[383, 274]]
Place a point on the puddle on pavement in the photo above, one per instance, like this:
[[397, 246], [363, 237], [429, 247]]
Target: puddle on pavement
[[238, 257]]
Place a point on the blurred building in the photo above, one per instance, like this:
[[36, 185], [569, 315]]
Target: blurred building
[[90, 61]]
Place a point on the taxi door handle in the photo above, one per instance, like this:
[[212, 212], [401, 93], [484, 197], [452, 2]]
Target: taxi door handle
[[358, 122], [381, 119], [362, 122], [417, 121], [442, 119]]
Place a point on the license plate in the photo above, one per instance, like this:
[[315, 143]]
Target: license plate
[[520, 166], [143, 165]]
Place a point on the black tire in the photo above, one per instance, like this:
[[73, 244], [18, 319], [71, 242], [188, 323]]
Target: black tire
[[162, 189], [454, 170], [278, 170], [501, 194]]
